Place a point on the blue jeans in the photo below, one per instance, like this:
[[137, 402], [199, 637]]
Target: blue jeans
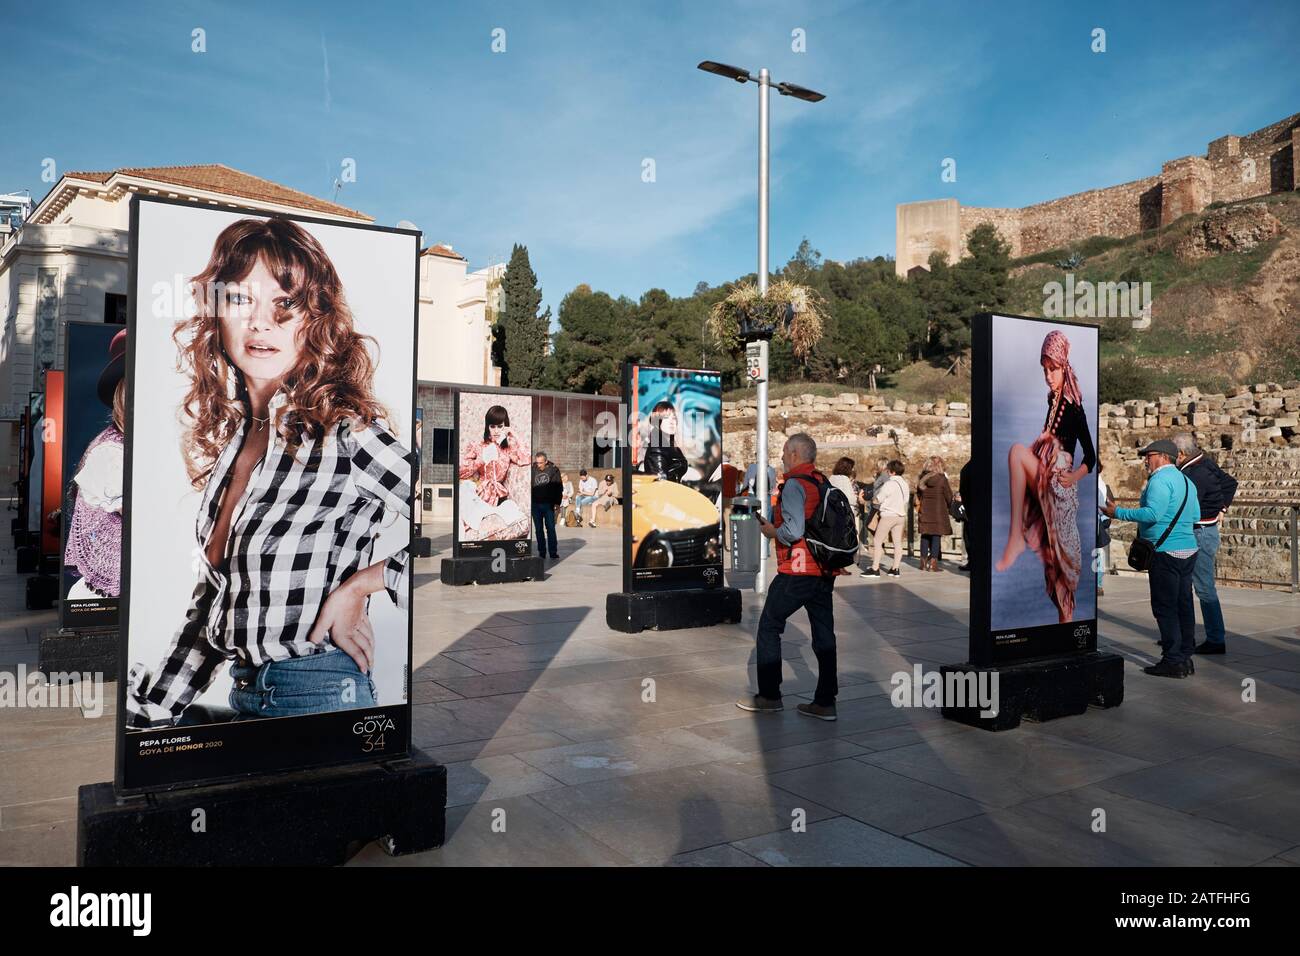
[[1170, 580], [315, 684], [788, 593], [583, 501], [1207, 544], [544, 527]]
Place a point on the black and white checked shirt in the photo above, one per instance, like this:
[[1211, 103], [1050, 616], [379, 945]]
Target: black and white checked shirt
[[307, 522]]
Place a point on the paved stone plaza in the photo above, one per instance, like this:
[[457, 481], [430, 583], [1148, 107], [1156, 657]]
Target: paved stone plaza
[[537, 709]]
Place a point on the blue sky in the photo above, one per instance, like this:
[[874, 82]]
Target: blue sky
[[544, 143]]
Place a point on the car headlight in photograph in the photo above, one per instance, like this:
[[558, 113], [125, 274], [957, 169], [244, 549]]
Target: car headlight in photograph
[[658, 554], [712, 552]]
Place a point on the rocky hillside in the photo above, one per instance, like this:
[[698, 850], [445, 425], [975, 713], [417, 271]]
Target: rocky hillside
[[1226, 296]]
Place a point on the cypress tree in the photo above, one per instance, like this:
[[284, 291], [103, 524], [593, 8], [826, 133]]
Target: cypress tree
[[523, 332]]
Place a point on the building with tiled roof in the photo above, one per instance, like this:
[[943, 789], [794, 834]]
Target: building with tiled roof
[[69, 259], [211, 183]]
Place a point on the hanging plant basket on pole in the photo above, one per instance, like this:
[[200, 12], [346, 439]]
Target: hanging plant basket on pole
[[789, 311]]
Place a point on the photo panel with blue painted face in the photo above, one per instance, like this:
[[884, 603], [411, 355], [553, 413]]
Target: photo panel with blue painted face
[[673, 517]]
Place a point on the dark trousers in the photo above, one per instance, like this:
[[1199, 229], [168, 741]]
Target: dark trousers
[[1170, 580], [544, 527], [930, 546], [789, 593]]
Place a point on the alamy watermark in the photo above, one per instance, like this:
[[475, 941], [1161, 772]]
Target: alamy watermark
[[59, 689], [1097, 300], [962, 689]]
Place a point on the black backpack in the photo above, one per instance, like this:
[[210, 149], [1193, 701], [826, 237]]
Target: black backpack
[[830, 533]]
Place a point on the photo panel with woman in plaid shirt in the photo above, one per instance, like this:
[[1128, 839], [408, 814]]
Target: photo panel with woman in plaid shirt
[[269, 494]]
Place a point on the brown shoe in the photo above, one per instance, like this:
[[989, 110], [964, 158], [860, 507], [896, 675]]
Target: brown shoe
[[818, 711], [758, 704]]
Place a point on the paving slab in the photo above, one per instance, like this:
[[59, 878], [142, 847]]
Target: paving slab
[[532, 836], [494, 778], [885, 800], [653, 817], [1004, 769], [1255, 792], [1061, 830], [840, 842]]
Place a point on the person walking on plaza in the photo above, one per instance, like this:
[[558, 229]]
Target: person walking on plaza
[[547, 491], [891, 499], [1215, 489], [935, 495], [867, 501], [842, 476], [587, 493], [1168, 512], [800, 583], [1103, 530], [964, 495]]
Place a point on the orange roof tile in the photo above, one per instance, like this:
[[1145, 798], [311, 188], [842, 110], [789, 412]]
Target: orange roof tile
[[441, 250], [218, 178]]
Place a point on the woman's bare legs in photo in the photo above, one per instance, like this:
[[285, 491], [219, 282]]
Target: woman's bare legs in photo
[[1023, 469]]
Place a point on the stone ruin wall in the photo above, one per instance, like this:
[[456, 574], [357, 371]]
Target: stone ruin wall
[[1185, 185], [1254, 433]]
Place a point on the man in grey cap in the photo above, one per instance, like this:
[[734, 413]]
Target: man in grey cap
[[1166, 516]]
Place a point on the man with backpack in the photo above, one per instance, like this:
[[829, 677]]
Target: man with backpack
[[815, 539]]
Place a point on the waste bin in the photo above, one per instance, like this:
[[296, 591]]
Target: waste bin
[[745, 534]]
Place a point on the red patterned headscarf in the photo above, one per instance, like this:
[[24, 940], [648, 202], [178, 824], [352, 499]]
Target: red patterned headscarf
[[1056, 349]]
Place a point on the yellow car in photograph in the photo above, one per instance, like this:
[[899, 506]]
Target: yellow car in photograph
[[673, 525]]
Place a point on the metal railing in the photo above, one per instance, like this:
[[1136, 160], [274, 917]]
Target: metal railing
[[1293, 522], [1293, 529]]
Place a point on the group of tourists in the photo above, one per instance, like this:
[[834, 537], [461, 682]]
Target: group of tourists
[[1178, 517], [1180, 510]]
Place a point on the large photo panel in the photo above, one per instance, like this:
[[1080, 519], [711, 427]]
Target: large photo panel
[[672, 523], [93, 447], [1042, 460], [494, 441], [268, 496], [51, 491]]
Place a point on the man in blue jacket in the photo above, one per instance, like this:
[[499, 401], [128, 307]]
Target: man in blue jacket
[[1169, 509]]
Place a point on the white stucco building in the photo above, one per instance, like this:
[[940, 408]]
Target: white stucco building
[[68, 261], [456, 311]]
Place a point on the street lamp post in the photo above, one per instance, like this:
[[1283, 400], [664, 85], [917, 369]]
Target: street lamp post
[[760, 337]]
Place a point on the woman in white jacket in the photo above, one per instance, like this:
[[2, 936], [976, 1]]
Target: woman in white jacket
[[891, 499]]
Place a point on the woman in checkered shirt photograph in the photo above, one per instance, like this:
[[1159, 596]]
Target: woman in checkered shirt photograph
[[299, 470]]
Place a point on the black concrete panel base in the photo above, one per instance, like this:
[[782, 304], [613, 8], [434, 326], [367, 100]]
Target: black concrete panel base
[[672, 610], [42, 592], [457, 571], [87, 651], [27, 559], [1040, 690], [423, 547], [312, 818]]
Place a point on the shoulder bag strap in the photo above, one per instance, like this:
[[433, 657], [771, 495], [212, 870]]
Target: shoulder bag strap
[[1187, 485]]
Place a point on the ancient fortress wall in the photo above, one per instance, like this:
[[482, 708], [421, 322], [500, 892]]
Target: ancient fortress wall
[[1234, 167]]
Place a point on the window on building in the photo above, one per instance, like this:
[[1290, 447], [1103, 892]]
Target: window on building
[[606, 456], [114, 308], [443, 451]]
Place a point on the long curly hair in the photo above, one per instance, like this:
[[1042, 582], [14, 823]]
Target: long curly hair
[[333, 379]]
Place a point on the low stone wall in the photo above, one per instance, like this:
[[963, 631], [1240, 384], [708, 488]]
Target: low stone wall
[[1252, 432]]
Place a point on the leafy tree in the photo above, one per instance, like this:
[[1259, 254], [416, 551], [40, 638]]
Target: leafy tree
[[952, 294], [520, 342], [593, 340]]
